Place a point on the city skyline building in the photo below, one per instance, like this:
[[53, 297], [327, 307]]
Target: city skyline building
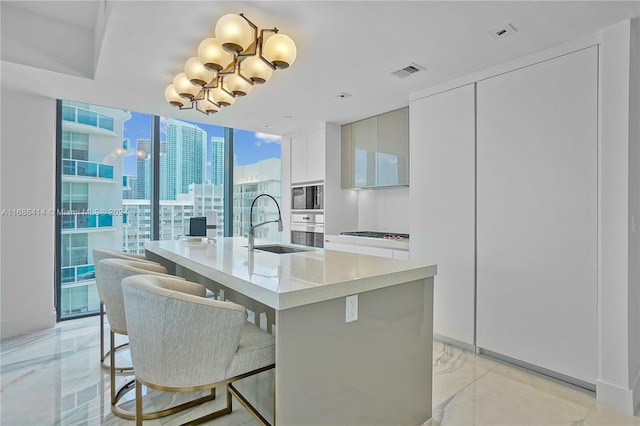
[[92, 150], [250, 181], [143, 169], [200, 199], [104, 207], [129, 187], [216, 158], [186, 157]]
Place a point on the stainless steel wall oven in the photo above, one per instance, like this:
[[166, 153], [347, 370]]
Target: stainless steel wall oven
[[307, 229]]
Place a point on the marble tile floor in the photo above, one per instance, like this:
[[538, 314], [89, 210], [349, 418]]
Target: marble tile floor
[[52, 377]]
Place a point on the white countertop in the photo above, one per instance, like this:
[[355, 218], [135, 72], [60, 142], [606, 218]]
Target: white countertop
[[284, 281]]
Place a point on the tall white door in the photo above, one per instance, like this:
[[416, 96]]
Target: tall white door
[[442, 204], [537, 214]]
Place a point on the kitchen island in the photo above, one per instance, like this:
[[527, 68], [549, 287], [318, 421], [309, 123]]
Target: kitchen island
[[373, 370]]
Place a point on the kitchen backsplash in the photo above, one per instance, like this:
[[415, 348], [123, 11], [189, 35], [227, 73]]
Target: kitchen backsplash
[[384, 210]]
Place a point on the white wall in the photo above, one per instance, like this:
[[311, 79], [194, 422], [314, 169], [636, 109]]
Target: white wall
[[384, 210], [618, 377], [340, 204], [27, 261], [285, 208], [634, 204]]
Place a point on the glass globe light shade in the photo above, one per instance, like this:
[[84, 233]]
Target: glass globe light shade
[[208, 106], [280, 50], [234, 33], [197, 73], [221, 97], [172, 96], [184, 87], [237, 85], [255, 70], [213, 56]]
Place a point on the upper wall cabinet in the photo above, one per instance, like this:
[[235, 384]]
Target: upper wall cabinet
[[375, 151], [308, 156]]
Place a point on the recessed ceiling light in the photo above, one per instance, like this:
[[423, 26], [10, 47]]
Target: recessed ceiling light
[[503, 31], [288, 116], [267, 126], [343, 95]]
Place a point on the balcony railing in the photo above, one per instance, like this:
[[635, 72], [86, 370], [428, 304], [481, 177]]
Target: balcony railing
[[72, 274], [87, 117], [87, 169], [86, 221]]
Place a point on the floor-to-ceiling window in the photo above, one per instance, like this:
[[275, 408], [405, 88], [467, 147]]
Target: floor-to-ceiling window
[[112, 162], [90, 205], [256, 170], [137, 182], [191, 175]]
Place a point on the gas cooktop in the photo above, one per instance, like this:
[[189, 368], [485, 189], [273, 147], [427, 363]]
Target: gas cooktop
[[374, 234]]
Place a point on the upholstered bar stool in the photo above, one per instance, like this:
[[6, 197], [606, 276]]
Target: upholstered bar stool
[[113, 271], [98, 255], [183, 343]]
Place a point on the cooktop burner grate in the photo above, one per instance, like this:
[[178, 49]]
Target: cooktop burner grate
[[374, 234]]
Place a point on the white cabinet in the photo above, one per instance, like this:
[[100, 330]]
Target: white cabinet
[[442, 204], [315, 155], [363, 246], [377, 251], [299, 158], [308, 157], [537, 214], [401, 254], [349, 248], [375, 151]]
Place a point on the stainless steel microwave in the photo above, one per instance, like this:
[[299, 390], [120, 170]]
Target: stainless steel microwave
[[309, 197]]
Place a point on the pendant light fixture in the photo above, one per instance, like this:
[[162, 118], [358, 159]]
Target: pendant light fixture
[[229, 65]]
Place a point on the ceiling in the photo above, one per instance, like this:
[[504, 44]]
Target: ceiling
[[124, 53]]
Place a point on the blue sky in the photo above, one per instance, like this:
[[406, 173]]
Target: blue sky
[[249, 147]]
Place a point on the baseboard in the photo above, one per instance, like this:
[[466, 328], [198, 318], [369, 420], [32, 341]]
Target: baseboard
[[18, 326], [549, 374], [615, 396], [453, 342]]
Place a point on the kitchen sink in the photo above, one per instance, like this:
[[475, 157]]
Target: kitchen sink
[[278, 249]]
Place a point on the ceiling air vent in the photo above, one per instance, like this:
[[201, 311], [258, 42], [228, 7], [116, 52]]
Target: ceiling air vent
[[410, 69]]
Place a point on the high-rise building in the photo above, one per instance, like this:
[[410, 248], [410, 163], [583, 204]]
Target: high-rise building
[[216, 157], [250, 181], [92, 149], [199, 200], [143, 169], [186, 157], [128, 187]]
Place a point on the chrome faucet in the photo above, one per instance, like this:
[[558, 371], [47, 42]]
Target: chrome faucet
[[252, 227]]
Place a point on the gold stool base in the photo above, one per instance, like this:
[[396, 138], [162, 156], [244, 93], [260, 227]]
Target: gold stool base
[[131, 415]]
